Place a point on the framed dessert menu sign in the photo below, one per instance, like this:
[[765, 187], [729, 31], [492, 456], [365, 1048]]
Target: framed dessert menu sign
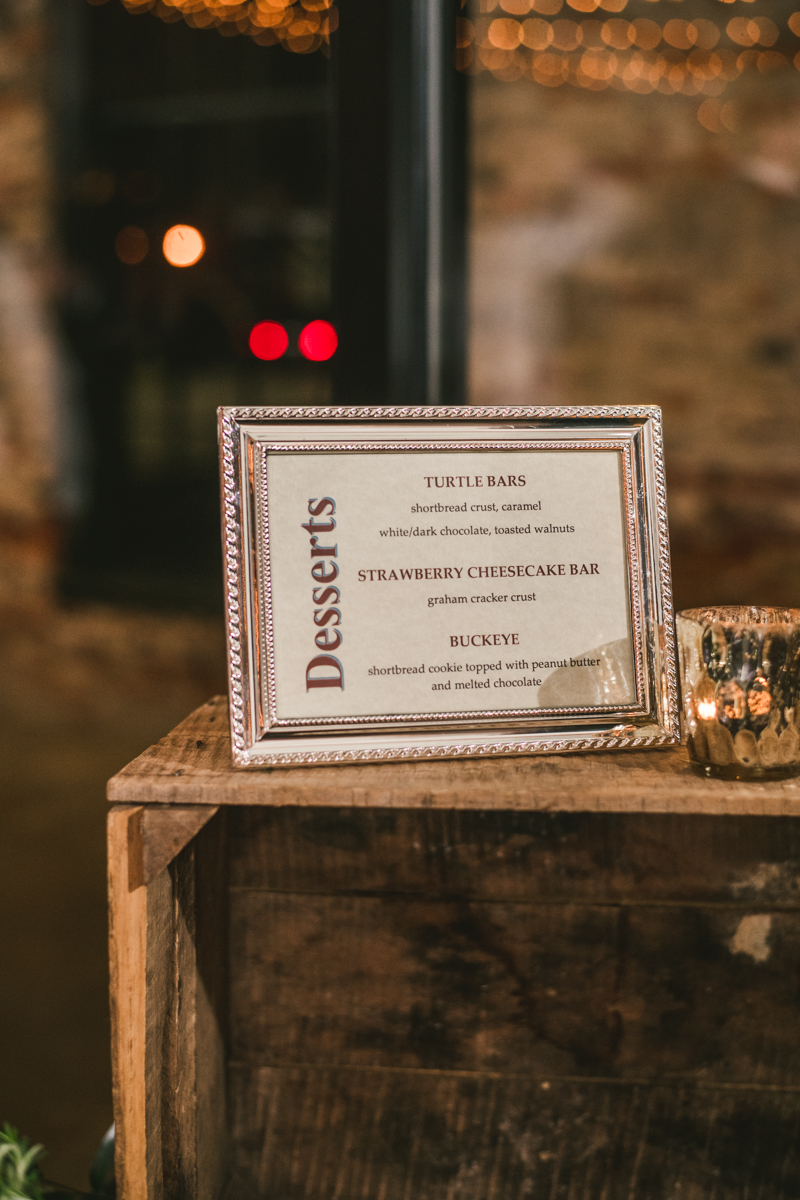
[[407, 583]]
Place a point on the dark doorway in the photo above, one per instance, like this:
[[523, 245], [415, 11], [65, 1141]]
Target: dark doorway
[[175, 125]]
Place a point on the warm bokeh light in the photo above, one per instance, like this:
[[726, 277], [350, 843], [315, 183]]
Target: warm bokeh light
[[680, 34], [706, 33], [301, 26], [536, 33], [617, 33], [565, 35], [677, 57], [505, 33], [768, 32], [183, 246], [318, 341], [550, 69], [131, 245], [646, 33], [707, 710], [747, 32], [717, 117], [268, 340]]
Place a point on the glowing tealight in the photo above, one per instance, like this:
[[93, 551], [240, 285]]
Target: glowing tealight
[[268, 340], [318, 341], [183, 246], [707, 710]]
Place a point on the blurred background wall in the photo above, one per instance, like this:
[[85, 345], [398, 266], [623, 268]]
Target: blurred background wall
[[636, 239], [632, 171]]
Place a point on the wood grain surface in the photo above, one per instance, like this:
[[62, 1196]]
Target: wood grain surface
[[168, 1001], [303, 1133], [128, 970], [486, 980], [157, 835], [431, 1005], [577, 990], [193, 766], [555, 858]]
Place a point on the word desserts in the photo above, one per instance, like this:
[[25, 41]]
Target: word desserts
[[325, 573]]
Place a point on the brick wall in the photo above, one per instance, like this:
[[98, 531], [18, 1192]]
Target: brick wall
[[681, 288]]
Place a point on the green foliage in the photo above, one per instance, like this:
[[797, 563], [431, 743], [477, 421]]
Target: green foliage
[[19, 1174]]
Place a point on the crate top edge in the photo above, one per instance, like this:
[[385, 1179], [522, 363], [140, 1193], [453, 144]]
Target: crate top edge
[[192, 765]]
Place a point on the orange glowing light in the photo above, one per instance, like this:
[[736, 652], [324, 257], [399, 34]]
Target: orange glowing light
[[617, 33], [706, 34], [680, 34], [646, 33], [537, 34], [505, 33], [566, 35], [768, 32], [708, 116], [550, 69], [183, 246], [707, 710], [598, 65], [743, 31]]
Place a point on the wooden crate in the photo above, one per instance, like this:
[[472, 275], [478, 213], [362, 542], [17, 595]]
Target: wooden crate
[[569, 978]]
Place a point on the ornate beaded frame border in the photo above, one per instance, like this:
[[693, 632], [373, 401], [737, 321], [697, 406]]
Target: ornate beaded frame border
[[652, 722]]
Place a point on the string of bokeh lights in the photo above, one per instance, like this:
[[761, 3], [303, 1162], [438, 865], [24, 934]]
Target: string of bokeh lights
[[641, 55], [301, 27]]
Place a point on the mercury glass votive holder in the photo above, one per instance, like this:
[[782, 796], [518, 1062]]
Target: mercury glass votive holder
[[740, 687]]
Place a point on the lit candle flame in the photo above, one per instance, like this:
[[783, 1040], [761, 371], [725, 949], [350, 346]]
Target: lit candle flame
[[707, 710]]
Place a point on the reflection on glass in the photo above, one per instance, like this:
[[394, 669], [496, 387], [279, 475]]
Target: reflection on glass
[[740, 691]]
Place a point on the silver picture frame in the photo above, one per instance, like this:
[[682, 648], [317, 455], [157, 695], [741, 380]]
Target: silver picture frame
[[260, 737]]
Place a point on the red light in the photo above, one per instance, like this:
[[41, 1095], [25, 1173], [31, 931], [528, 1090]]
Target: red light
[[318, 341], [268, 340]]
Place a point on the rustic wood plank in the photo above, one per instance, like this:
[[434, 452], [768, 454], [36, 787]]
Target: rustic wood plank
[[211, 1005], [158, 836], [186, 1032], [310, 1134], [168, 953], [556, 990], [573, 858], [172, 1044], [192, 766], [128, 963]]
